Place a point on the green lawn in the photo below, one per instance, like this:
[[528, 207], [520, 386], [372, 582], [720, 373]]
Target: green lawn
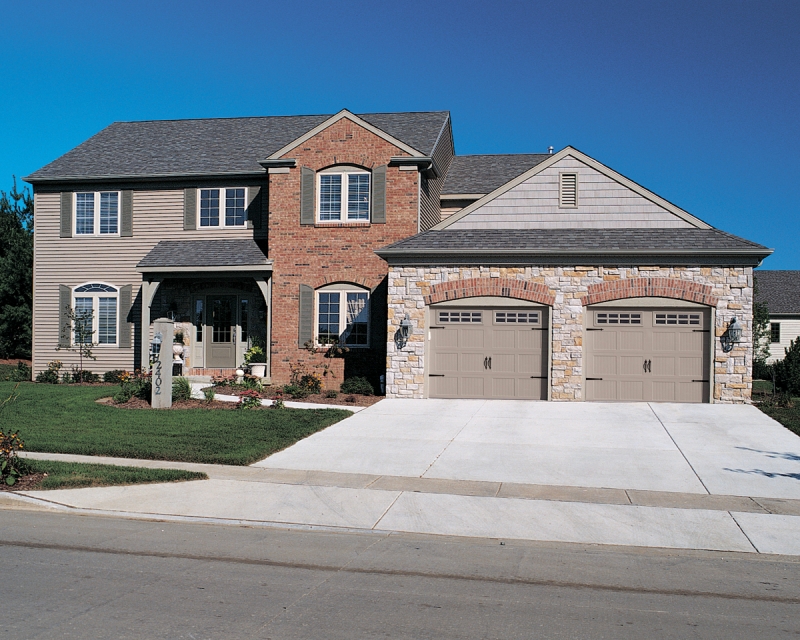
[[66, 419], [762, 387], [70, 475]]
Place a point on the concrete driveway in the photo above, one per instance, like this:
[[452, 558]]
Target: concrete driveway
[[693, 449], [714, 477]]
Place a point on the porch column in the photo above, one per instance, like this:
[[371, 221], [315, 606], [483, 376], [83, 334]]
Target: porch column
[[265, 286], [149, 288]]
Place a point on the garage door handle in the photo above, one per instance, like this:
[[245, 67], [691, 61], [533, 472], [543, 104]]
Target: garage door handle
[[485, 363], [644, 366], [490, 364], [649, 366]]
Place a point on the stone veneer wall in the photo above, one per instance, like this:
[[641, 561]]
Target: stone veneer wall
[[730, 287]]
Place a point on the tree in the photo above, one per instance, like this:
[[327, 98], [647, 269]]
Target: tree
[[760, 333], [79, 326], [16, 272]]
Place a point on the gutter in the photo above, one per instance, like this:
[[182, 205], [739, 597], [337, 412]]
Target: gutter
[[424, 164], [139, 178]]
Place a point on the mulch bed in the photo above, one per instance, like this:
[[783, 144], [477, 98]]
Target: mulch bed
[[138, 403], [343, 399], [15, 361], [25, 483]]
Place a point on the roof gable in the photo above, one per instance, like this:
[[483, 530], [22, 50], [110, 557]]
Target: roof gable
[[607, 199]]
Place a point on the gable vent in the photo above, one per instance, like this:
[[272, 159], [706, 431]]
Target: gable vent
[[567, 189]]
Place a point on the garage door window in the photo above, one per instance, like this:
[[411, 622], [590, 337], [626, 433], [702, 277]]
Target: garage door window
[[517, 317], [461, 317], [678, 319], [618, 318]]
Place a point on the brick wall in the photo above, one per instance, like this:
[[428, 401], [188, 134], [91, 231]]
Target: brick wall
[[325, 253], [729, 290]]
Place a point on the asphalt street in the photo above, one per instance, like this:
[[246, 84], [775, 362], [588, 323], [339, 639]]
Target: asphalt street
[[77, 576]]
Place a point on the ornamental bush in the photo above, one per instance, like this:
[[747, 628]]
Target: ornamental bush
[[358, 385], [117, 376], [787, 371], [181, 389]]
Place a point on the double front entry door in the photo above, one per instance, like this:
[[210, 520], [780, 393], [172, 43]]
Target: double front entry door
[[221, 328]]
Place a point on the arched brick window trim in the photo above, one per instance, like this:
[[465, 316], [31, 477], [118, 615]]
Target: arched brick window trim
[[499, 287], [651, 287]]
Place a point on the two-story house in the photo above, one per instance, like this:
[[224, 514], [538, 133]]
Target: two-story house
[[540, 276]]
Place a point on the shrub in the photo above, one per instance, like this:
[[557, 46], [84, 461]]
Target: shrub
[[209, 393], [295, 391], [331, 393], [117, 376], [249, 399], [255, 355], [181, 389], [787, 371], [78, 375], [138, 385], [312, 382], [11, 466], [357, 385], [22, 373], [51, 376]]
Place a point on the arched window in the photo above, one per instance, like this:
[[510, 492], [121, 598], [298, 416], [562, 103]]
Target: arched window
[[95, 305], [343, 194], [343, 315]]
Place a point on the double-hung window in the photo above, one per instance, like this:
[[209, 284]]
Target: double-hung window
[[343, 317], [343, 195], [95, 307], [222, 207], [96, 213]]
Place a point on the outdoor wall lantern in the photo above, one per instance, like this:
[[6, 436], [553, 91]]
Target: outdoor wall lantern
[[401, 335], [732, 335], [155, 346]]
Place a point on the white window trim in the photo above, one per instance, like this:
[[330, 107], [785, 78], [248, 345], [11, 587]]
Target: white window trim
[[343, 290], [95, 296], [222, 212], [345, 172], [96, 224]]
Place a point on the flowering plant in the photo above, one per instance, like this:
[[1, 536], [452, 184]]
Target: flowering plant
[[249, 399]]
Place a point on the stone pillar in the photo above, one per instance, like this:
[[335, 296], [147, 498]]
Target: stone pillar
[[162, 365]]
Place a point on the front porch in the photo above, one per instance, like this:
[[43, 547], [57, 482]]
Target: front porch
[[217, 292]]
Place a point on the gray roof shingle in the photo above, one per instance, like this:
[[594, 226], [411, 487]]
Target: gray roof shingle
[[779, 289], [213, 146], [600, 241], [204, 253], [485, 173]]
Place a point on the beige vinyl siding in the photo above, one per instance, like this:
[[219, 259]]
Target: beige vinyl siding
[[602, 203], [157, 215], [429, 195], [790, 330]]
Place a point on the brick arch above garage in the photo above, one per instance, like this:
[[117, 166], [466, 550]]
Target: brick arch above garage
[[651, 287], [498, 287]]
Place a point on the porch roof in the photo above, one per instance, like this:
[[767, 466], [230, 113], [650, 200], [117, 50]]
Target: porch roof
[[205, 256]]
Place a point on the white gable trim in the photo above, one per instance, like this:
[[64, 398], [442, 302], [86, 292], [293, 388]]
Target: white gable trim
[[344, 113], [591, 162]]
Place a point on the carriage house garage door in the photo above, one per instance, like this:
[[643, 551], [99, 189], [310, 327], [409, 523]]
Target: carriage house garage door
[[647, 354], [485, 352]]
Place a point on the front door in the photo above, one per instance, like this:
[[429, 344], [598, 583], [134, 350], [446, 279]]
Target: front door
[[221, 344]]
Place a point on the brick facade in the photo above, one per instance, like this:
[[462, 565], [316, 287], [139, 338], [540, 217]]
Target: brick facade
[[727, 290], [318, 254]]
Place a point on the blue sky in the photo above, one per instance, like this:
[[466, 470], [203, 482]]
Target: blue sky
[[697, 101]]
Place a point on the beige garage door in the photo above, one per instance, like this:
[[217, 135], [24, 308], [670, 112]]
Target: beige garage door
[[488, 353], [658, 355]]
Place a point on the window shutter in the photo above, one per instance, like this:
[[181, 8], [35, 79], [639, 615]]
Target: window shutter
[[307, 195], [189, 209], [64, 304], [568, 190], [379, 195], [126, 224], [66, 215], [124, 311], [306, 324], [254, 207]]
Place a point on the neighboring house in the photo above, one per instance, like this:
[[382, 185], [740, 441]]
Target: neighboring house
[[543, 276], [780, 291]]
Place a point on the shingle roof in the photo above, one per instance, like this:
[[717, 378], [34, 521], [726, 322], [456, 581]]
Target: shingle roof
[[485, 173], [214, 146], [779, 289], [574, 241], [204, 253]]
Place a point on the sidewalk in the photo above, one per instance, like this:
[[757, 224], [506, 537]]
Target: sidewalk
[[324, 499]]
